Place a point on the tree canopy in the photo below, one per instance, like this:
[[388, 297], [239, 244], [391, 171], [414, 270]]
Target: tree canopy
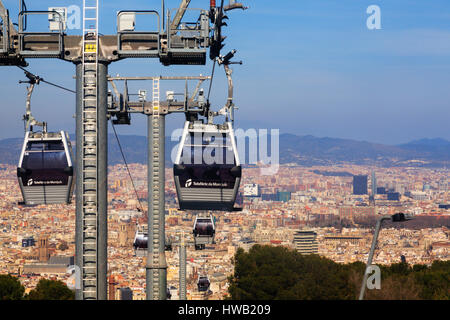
[[272, 273], [10, 288], [51, 290]]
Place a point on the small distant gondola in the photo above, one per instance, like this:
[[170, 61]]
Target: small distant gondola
[[203, 283], [204, 231], [207, 171], [45, 171], [168, 244], [140, 242]]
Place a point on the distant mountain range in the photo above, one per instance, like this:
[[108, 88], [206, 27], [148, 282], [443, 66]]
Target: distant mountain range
[[309, 150], [301, 150]]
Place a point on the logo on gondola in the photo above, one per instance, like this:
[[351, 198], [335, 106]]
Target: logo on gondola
[[188, 183], [30, 182]]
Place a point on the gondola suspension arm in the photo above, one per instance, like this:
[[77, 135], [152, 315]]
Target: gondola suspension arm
[[28, 117], [34, 80], [228, 109]]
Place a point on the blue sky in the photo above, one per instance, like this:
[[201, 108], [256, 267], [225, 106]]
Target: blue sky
[[310, 67]]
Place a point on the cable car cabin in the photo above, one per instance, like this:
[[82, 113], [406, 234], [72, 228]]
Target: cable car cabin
[[204, 230], [168, 294], [203, 284], [207, 171], [45, 170], [140, 242], [168, 244]]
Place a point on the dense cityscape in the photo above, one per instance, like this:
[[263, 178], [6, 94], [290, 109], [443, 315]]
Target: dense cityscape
[[329, 211]]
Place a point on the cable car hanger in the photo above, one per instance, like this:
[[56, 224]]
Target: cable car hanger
[[28, 118], [228, 109]]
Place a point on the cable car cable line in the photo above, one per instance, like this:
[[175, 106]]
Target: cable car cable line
[[29, 74], [211, 81], [128, 170]]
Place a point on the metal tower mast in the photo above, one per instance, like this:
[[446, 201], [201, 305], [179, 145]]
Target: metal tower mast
[[182, 269], [91, 190], [156, 268]]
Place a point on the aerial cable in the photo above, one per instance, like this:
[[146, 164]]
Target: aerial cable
[[126, 165], [211, 81], [47, 82], [57, 86]]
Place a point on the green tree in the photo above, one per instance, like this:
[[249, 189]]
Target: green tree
[[51, 290], [10, 288], [434, 281], [267, 272], [419, 267], [398, 269], [271, 273], [395, 287]]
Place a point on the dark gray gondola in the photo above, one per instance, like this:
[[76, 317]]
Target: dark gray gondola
[[140, 242], [168, 244], [203, 284], [140, 239], [45, 171], [204, 231], [207, 183]]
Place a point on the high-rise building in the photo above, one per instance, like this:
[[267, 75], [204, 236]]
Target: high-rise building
[[305, 242], [374, 184], [360, 184]]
